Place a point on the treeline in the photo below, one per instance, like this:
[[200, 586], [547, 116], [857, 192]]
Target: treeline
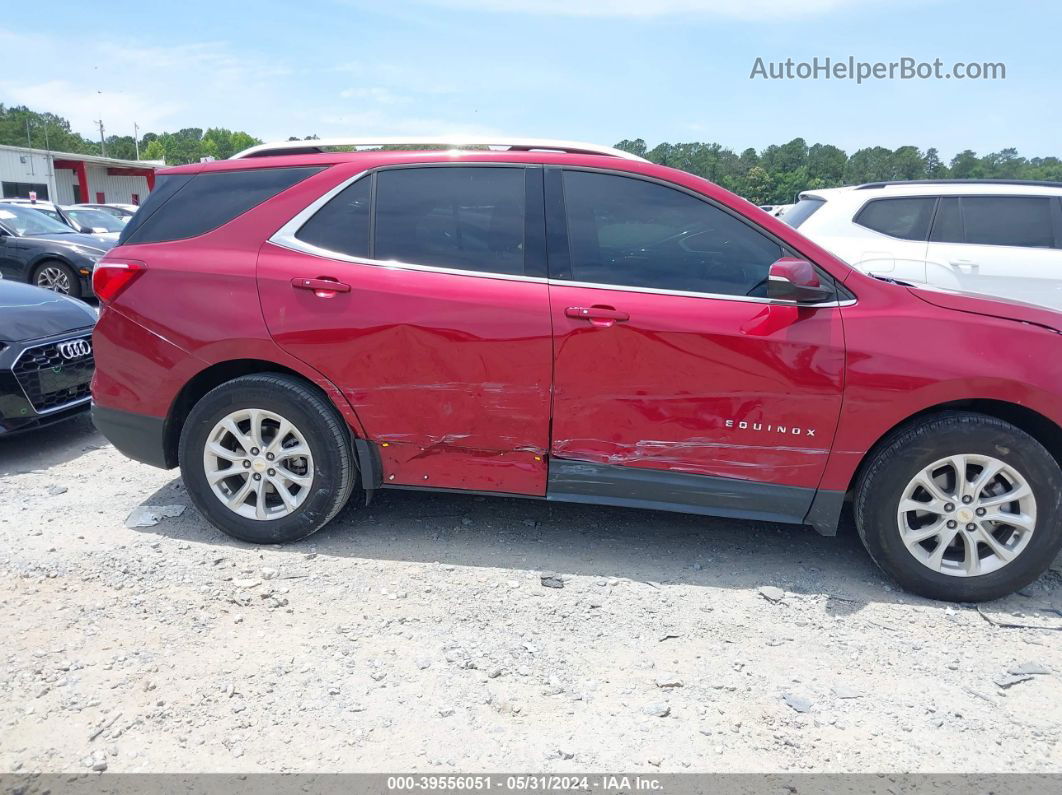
[[20, 126], [772, 176], [778, 173]]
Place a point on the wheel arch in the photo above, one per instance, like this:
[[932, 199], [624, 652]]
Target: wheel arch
[[1040, 427], [829, 508], [222, 372]]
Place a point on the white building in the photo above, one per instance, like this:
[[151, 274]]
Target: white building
[[66, 178]]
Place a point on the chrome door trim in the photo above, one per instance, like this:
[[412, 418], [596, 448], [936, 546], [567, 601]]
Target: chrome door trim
[[285, 237]]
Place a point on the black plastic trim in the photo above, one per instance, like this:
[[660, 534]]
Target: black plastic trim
[[369, 466], [825, 511], [137, 436], [578, 481]]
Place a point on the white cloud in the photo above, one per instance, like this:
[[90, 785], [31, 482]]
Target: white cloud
[[210, 84], [735, 9]]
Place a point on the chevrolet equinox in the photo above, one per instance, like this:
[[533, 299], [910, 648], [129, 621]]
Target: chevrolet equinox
[[567, 322]]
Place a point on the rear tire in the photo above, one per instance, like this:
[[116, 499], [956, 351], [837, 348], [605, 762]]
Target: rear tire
[[969, 543], [267, 458]]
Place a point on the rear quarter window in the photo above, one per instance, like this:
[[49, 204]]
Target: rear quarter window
[[802, 211], [188, 205]]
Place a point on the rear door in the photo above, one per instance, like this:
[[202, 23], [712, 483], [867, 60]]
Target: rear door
[[1009, 246], [677, 382], [421, 292]]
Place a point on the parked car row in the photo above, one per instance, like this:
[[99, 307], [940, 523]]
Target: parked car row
[[987, 236], [578, 325], [38, 249], [574, 324]]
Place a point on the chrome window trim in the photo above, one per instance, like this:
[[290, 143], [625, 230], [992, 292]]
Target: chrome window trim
[[285, 237]]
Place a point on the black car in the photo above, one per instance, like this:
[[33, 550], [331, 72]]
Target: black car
[[37, 249], [45, 357]]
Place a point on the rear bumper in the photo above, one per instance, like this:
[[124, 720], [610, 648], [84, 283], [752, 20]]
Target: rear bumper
[[138, 436]]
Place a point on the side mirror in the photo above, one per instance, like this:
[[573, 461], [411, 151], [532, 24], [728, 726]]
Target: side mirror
[[85, 230], [791, 279]]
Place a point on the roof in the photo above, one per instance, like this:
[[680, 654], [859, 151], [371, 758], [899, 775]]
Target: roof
[[111, 162]]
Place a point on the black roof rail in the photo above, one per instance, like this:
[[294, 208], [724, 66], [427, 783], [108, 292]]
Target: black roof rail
[[1030, 182]]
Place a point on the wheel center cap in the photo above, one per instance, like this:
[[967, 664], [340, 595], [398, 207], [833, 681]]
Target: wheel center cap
[[965, 515], [260, 465]]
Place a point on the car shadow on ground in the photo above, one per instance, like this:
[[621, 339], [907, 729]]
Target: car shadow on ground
[[655, 548], [42, 448]]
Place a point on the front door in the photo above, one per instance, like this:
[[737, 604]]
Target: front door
[[677, 382], [432, 317]]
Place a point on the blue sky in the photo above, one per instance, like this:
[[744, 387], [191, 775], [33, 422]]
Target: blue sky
[[675, 70]]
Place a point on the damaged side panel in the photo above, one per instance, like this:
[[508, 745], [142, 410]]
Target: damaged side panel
[[449, 374], [700, 386]]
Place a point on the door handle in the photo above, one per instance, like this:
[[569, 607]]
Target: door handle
[[597, 314], [965, 265], [323, 288]]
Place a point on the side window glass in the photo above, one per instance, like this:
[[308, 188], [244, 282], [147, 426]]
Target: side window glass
[[907, 219], [1008, 221], [947, 226], [633, 233], [342, 225], [468, 218]]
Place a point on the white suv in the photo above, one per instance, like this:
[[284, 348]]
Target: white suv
[[984, 236]]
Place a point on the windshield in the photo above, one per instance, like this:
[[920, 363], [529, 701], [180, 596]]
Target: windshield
[[96, 219], [802, 211], [25, 221]]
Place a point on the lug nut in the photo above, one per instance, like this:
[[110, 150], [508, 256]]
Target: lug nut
[[257, 476], [246, 464], [270, 456], [952, 524], [272, 472], [254, 451], [967, 500], [971, 526], [949, 507], [981, 511]]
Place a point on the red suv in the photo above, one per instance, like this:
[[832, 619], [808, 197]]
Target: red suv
[[567, 322]]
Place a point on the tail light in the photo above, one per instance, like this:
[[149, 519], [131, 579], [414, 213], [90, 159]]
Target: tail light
[[111, 277]]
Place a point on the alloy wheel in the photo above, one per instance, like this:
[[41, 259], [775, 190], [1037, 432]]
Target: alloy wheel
[[258, 464], [55, 279], [967, 515]]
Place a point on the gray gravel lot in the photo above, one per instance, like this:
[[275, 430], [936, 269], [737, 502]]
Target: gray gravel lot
[[417, 634]]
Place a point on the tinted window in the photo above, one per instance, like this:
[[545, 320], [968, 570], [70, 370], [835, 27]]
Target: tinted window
[[947, 225], [801, 211], [342, 225], [630, 232], [180, 208], [904, 218], [1008, 221], [470, 218]]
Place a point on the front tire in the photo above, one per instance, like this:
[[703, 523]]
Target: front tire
[[961, 507], [267, 458], [57, 277]]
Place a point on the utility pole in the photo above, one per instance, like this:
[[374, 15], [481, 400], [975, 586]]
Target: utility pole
[[29, 144], [136, 140], [103, 146]]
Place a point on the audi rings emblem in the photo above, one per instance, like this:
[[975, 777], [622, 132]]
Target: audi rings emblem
[[75, 349]]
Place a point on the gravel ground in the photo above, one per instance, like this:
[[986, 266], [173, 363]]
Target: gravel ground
[[417, 634]]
